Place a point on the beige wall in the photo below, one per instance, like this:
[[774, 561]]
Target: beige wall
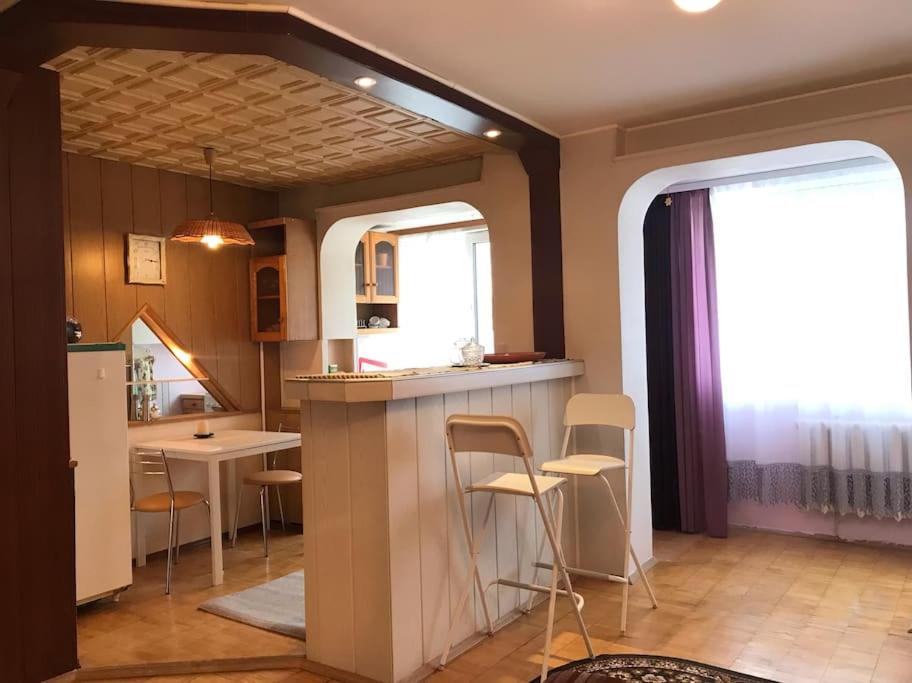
[[501, 194], [603, 286]]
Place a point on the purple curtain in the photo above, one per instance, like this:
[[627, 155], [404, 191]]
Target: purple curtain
[[702, 465]]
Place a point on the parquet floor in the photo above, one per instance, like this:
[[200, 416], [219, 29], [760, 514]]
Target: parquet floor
[[148, 626], [795, 610]]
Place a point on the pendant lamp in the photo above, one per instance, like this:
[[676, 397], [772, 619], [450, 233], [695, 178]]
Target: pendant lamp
[[211, 231]]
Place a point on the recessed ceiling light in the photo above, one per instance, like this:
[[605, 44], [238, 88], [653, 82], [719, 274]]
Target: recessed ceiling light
[[695, 6], [492, 133], [365, 82]]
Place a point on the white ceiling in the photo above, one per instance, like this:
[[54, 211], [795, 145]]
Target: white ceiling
[[571, 65]]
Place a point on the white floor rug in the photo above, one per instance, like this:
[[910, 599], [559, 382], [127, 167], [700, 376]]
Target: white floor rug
[[275, 606]]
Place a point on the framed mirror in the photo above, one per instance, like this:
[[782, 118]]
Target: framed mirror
[[164, 380]]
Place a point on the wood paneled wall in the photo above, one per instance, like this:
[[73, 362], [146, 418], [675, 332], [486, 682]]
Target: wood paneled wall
[[206, 299]]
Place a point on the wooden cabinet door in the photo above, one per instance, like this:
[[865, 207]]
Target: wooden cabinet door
[[384, 254], [363, 273], [268, 299]]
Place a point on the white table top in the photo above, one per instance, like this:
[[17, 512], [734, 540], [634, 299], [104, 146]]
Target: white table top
[[227, 444]]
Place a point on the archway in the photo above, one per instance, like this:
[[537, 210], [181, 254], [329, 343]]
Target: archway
[[631, 214]]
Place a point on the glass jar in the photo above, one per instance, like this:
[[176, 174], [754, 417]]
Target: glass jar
[[472, 353]]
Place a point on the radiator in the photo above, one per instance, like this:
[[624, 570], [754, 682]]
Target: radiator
[[843, 467]]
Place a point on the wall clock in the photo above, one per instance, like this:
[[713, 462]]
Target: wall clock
[[146, 260]]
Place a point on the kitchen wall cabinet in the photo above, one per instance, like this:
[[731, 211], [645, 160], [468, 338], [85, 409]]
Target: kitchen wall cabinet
[[283, 280], [377, 269]]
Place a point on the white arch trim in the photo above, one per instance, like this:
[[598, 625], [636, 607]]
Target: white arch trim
[[631, 215], [337, 263]]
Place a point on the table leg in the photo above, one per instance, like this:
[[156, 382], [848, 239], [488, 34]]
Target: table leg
[[267, 514], [231, 491], [215, 522]]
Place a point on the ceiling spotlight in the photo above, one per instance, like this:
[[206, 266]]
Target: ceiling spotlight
[[365, 82], [492, 134], [695, 6]]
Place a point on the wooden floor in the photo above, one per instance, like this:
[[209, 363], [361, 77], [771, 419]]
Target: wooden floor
[[792, 609], [148, 626]]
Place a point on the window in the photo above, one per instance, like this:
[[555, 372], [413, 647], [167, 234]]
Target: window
[[813, 291], [480, 244], [444, 296]]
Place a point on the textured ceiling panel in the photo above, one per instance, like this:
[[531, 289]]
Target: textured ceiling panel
[[273, 124]]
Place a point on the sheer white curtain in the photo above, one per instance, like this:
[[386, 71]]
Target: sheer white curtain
[[814, 339]]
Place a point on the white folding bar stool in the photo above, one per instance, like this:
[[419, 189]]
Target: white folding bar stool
[[605, 410], [504, 435]]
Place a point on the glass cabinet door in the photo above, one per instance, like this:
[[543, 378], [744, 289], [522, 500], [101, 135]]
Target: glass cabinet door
[[268, 298], [362, 272], [384, 254]]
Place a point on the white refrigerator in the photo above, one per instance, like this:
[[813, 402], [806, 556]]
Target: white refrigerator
[[98, 442]]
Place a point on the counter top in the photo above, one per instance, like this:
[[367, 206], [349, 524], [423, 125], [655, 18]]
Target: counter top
[[398, 384]]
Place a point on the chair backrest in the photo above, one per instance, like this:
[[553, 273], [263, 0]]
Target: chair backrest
[[606, 410], [151, 463], [275, 454], [487, 434]]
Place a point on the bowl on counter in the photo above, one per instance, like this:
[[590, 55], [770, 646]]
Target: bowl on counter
[[513, 357]]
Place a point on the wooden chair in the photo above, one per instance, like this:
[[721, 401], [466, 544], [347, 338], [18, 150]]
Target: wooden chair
[[504, 435], [264, 479], [151, 463], [606, 410]]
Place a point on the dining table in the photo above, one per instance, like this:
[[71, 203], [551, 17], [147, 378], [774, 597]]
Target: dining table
[[229, 446]]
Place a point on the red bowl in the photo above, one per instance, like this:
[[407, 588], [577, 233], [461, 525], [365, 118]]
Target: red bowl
[[513, 357]]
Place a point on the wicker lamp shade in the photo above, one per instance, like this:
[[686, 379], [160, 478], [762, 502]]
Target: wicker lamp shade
[[211, 231]]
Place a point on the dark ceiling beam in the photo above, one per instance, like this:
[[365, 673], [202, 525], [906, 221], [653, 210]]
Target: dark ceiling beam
[[36, 31]]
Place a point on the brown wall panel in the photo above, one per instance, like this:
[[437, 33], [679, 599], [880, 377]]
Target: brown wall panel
[[173, 212], [87, 247], [249, 353], [147, 220], [117, 222], [67, 263], [205, 301], [11, 651]]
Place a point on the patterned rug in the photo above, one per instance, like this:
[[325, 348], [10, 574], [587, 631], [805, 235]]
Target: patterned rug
[[644, 669]]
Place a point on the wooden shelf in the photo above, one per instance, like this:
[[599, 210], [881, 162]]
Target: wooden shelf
[[376, 330]]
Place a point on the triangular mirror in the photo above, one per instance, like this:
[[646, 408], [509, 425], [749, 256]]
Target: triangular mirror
[[163, 378]]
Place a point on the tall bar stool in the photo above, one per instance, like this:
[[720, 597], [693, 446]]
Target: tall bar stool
[[606, 410], [504, 435], [155, 463], [264, 479]]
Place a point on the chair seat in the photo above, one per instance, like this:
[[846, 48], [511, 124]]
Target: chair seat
[[514, 483], [273, 478], [583, 465], [161, 502]]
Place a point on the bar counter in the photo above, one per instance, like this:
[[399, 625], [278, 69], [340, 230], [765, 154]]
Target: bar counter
[[385, 554]]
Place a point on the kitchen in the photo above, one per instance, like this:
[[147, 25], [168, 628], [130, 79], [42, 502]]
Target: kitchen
[[213, 339]]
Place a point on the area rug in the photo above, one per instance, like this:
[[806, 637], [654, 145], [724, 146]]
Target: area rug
[[644, 669], [275, 606]]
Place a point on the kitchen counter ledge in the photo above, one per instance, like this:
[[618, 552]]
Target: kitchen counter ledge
[[399, 384]]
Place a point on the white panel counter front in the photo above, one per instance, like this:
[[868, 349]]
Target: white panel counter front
[[385, 554]]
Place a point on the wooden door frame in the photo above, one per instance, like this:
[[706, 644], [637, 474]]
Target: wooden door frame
[[32, 32]]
